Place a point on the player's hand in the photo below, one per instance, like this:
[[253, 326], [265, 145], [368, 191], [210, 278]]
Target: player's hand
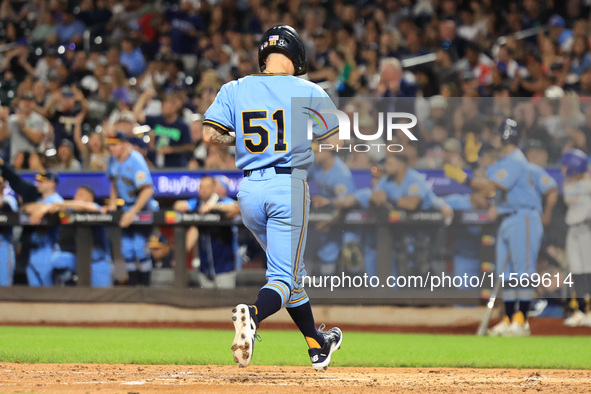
[[472, 148], [319, 201], [378, 198], [455, 172], [127, 219]]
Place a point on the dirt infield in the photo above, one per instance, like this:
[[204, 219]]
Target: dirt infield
[[79, 378]]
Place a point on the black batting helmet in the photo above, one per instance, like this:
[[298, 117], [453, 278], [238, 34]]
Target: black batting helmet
[[510, 132], [285, 40]]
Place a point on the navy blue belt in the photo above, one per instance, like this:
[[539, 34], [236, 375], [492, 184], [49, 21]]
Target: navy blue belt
[[278, 170]]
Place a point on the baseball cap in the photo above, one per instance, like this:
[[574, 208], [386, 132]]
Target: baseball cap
[[28, 95], [556, 21], [158, 241], [118, 138], [47, 176], [67, 92]]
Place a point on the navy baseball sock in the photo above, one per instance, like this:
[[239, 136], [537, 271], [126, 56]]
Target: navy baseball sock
[[524, 307], [267, 304], [582, 305], [304, 319], [510, 308]]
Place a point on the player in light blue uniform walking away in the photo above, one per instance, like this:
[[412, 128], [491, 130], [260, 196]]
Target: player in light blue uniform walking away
[[131, 181], [273, 150], [520, 232], [7, 259]]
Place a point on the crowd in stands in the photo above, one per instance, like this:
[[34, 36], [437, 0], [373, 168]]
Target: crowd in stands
[[73, 70]]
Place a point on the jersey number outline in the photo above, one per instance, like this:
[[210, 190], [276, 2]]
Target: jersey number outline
[[264, 135]]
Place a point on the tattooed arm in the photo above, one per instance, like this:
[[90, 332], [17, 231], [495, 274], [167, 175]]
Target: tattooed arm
[[216, 137]]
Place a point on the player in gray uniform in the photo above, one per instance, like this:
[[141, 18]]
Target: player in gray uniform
[[577, 196]]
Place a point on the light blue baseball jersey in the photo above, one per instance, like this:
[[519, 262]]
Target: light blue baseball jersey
[[270, 130], [363, 196], [52, 231], [413, 185], [130, 177], [337, 182], [513, 173], [543, 183]]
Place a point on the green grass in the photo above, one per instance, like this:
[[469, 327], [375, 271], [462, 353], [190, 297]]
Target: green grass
[[172, 346]]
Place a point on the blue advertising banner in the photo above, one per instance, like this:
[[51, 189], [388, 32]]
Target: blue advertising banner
[[185, 184]]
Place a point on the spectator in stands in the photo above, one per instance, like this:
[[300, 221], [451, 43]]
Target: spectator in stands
[[26, 129], [69, 29], [560, 34], [171, 134], [580, 59], [187, 26], [66, 161], [62, 109], [132, 58]]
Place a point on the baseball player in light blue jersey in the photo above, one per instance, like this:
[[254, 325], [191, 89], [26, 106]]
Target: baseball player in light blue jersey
[[131, 181], [577, 196], [520, 232], [44, 238], [7, 259], [100, 255], [218, 245], [405, 188], [272, 148], [333, 180]]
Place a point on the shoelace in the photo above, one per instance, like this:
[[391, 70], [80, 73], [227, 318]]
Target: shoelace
[[321, 328], [258, 338]]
